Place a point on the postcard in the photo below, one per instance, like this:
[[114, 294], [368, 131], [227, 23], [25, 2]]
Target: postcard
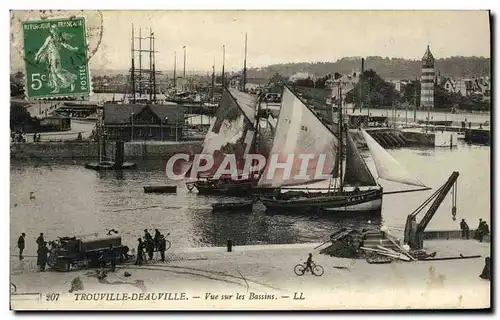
[[250, 160]]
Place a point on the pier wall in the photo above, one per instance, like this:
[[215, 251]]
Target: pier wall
[[450, 234], [394, 138], [419, 138], [89, 150]]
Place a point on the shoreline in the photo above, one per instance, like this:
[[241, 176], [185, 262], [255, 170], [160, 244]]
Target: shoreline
[[267, 271]]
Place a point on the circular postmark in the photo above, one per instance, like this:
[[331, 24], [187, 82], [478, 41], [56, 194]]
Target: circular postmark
[[93, 29]]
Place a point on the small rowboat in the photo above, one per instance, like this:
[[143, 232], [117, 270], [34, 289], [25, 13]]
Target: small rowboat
[[109, 165], [160, 189], [233, 206]]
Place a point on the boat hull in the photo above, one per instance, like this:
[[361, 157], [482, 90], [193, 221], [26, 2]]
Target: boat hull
[[370, 200], [160, 189], [109, 165], [238, 207], [214, 188], [234, 189]]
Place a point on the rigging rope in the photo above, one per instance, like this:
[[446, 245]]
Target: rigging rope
[[426, 202]]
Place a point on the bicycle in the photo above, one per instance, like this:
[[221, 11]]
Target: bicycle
[[168, 244], [316, 269]]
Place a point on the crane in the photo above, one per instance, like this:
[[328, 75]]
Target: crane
[[413, 235]]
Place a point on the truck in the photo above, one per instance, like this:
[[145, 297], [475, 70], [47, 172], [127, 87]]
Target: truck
[[85, 251]]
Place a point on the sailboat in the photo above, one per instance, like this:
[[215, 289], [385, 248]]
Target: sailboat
[[234, 132], [299, 130]]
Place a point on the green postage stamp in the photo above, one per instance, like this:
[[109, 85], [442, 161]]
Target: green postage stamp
[[55, 56]]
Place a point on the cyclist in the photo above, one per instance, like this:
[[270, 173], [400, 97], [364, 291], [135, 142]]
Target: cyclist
[[309, 263]]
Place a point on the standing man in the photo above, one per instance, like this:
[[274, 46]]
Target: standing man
[[486, 270], [40, 240], [465, 229], [157, 238], [112, 258], [140, 248], [478, 229], [20, 245], [162, 246], [42, 253]]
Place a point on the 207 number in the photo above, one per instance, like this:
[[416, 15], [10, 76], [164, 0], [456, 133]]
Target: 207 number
[[36, 81], [52, 296]]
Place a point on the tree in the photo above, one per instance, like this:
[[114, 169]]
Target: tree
[[376, 92], [320, 82]]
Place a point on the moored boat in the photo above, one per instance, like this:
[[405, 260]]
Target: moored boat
[[234, 132], [241, 206], [299, 131], [160, 189], [109, 165]]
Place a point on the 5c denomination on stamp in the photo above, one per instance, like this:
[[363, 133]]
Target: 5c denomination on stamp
[[55, 55]]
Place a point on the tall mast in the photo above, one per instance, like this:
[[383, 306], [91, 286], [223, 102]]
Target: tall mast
[[184, 71], [245, 67], [213, 81], [150, 64], [361, 97], [140, 62], [223, 62], [175, 67], [133, 66], [154, 65], [341, 140]]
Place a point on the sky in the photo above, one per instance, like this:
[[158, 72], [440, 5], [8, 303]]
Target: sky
[[279, 36]]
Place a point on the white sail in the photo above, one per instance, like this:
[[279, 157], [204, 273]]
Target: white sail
[[387, 167], [299, 132], [232, 131]]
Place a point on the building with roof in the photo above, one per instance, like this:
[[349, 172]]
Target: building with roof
[[427, 81], [139, 122]]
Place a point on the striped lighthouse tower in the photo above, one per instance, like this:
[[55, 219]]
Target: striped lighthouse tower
[[427, 81]]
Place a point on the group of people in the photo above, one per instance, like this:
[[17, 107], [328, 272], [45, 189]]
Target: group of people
[[149, 245], [17, 136], [482, 230], [42, 251]]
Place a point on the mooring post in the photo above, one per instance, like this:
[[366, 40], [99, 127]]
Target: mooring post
[[229, 245], [119, 153]]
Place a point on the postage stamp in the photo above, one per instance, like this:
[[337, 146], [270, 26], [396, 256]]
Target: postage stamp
[[55, 55]]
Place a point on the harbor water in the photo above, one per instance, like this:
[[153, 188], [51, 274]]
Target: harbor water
[[68, 199]]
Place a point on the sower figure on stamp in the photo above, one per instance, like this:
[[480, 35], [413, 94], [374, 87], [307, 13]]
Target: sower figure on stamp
[[20, 245], [59, 78]]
